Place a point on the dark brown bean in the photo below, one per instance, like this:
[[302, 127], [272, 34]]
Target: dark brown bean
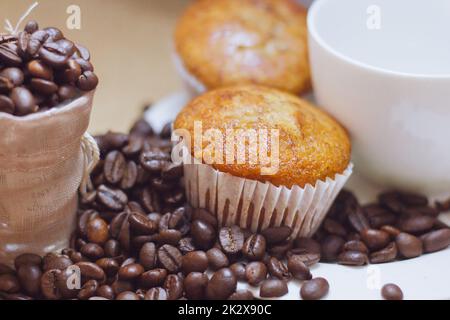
[[9, 283], [14, 75], [174, 287], [255, 272], [331, 247], [276, 234], [353, 258], [308, 245], [170, 258], [254, 247], [217, 259], [222, 285], [131, 271], [156, 294], [92, 251], [196, 261], [298, 268], [242, 295], [273, 289], [408, 245], [392, 292], [113, 199], [203, 234], [314, 289], [417, 225], [106, 292], [278, 269], [97, 231], [375, 239], [127, 295], [356, 245], [88, 290], [6, 104], [238, 269], [231, 239], [384, 255], [436, 240], [24, 101], [114, 167], [141, 224], [153, 278]]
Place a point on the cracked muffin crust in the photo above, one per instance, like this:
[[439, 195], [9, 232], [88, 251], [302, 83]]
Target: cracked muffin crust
[[229, 42], [312, 145]]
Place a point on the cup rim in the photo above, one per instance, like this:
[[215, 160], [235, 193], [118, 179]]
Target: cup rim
[[314, 34]]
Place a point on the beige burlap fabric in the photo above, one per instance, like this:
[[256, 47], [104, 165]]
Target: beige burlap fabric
[[41, 167]]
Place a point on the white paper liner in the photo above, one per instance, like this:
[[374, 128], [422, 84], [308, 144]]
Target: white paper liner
[[192, 84], [255, 205]]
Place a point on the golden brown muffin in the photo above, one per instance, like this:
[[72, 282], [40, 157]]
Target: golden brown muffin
[[312, 146], [229, 42]]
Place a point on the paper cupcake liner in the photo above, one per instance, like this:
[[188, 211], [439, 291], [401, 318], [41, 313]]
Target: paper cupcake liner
[[255, 205], [192, 84]]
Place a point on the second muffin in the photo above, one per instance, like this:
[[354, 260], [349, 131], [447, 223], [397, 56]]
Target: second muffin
[[313, 158]]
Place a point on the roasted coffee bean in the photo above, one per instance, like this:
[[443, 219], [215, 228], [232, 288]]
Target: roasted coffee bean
[[231, 239], [357, 219], [91, 271], [6, 85], [223, 284], [9, 56], [384, 255], [130, 272], [334, 227], [87, 81], [298, 268], [15, 75], [97, 231], [417, 225], [204, 216], [172, 171], [112, 248], [217, 259], [309, 259], [88, 290], [273, 289], [106, 292], [166, 132], [391, 292], [254, 247], [114, 167], [392, 231], [5, 269], [27, 259], [31, 27], [156, 294], [186, 245], [127, 295], [331, 247], [38, 69], [83, 220], [110, 266], [278, 269], [255, 272], [147, 256], [93, 251], [170, 258], [169, 236], [203, 234], [150, 200], [238, 269], [174, 198], [153, 278], [280, 250], [56, 54], [174, 287], [37, 39], [112, 199], [379, 216], [9, 283], [120, 286], [71, 73], [196, 261], [43, 87], [375, 239], [314, 289], [49, 285], [154, 160], [24, 101], [242, 295], [276, 235], [308, 245], [436, 240], [129, 178], [140, 224], [408, 245], [67, 92], [54, 34], [353, 258], [14, 297], [195, 285], [6, 104], [356, 245]]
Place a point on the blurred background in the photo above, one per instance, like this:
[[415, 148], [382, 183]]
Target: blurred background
[[130, 43]]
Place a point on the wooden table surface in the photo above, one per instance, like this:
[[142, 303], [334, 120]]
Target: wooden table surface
[[130, 42]]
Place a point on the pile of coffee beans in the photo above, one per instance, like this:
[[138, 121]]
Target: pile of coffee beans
[[137, 239], [40, 69]]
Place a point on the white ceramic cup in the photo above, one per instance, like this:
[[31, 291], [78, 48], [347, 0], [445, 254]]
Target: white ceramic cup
[[382, 68]]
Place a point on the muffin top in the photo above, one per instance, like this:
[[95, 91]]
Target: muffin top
[[311, 145], [229, 42]]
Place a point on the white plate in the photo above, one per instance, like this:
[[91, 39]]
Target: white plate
[[427, 277]]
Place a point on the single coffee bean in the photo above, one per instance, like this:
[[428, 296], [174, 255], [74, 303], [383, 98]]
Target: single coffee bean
[[308, 245], [170, 258], [186, 245], [9, 56], [356, 245], [174, 287], [331, 247], [254, 247], [106, 292], [238, 269], [408, 245], [195, 285], [6, 104], [112, 199], [147, 256], [217, 259], [71, 73], [114, 167], [417, 225], [255, 272], [91, 271], [150, 200], [387, 254], [314, 289], [141, 224], [169, 236], [353, 258], [93, 251], [9, 283], [154, 160], [109, 265], [277, 234], [309, 259], [31, 27], [87, 81], [375, 239], [242, 295], [204, 216], [334, 227], [156, 294], [129, 178], [38, 69], [97, 231], [88, 290], [120, 286], [15, 75], [24, 101], [298, 268], [392, 292], [49, 285], [130, 272], [231, 239], [54, 34], [392, 231], [127, 295], [55, 261], [27, 259], [112, 248], [223, 284], [203, 234], [436, 240], [357, 219], [153, 278], [281, 249], [196, 261], [56, 54], [67, 92], [273, 289], [391, 200], [278, 269], [6, 85], [43, 87]]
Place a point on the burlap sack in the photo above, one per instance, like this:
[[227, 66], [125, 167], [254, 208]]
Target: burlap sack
[[41, 166]]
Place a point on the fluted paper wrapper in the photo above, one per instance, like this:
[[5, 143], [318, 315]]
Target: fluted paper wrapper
[[255, 205], [41, 167], [191, 83]]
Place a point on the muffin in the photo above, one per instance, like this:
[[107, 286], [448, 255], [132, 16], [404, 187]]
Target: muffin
[[300, 162], [229, 42]]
